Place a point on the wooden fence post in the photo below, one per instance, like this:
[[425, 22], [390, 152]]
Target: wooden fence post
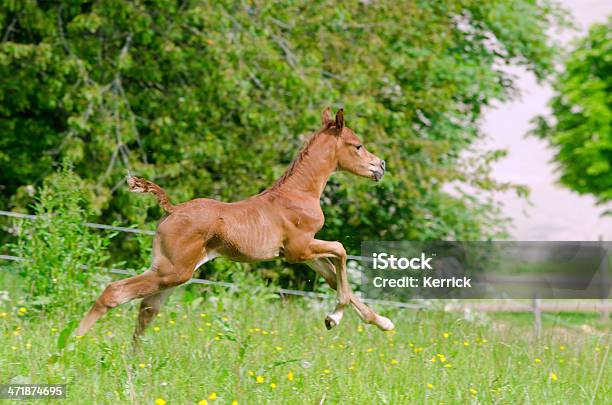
[[537, 315], [604, 280]]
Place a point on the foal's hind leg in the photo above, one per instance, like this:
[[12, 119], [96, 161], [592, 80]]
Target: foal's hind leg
[[149, 307], [326, 269], [122, 291]]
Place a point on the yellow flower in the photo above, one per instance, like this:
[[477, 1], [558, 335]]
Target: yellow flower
[[3, 314], [263, 332], [327, 371], [260, 379], [201, 329], [538, 360], [212, 396], [14, 347], [278, 348], [370, 350], [597, 349], [234, 402], [160, 401], [394, 361], [78, 337], [251, 373], [272, 385], [483, 341], [473, 391], [203, 402], [561, 347], [430, 386], [290, 376], [172, 321], [156, 328], [466, 343], [441, 357], [203, 315], [448, 365], [434, 359], [224, 318], [142, 365], [553, 376], [446, 335], [359, 328]]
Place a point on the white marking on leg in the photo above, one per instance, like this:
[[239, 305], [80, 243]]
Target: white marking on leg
[[336, 316], [384, 323]]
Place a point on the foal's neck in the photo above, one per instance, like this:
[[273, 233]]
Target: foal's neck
[[312, 168]]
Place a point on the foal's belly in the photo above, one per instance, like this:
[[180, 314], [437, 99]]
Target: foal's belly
[[249, 251], [244, 243]]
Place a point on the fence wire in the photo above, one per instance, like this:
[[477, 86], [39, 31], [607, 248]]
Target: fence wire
[[282, 291]]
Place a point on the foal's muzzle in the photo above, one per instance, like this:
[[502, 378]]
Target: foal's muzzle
[[378, 173]]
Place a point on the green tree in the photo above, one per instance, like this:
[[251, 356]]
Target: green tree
[[580, 126], [214, 98]]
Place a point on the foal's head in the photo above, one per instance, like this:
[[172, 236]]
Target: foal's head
[[352, 155]]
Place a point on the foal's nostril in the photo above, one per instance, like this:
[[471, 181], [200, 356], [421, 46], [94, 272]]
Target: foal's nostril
[[383, 164]]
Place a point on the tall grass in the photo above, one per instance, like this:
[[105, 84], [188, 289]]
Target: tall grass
[[64, 258], [235, 346]]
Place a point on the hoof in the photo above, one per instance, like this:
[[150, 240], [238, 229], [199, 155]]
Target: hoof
[[332, 320], [384, 324]]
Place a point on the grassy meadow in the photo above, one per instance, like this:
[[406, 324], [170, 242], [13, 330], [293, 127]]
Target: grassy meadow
[[244, 346]]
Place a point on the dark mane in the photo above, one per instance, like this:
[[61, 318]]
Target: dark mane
[[300, 156]]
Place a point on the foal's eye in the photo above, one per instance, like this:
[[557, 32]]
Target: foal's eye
[[358, 147]]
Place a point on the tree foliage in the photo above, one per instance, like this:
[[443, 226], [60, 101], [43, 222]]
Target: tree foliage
[[214, 99], [580, 128]]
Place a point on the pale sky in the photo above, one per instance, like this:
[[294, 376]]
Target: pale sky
[[556, 213]]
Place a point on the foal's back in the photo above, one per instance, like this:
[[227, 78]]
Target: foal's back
[[248, 230]]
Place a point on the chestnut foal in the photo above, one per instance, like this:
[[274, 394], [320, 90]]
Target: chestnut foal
[[279, 222]]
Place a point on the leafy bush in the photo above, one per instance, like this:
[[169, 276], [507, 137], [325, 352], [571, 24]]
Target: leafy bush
[[64, 257]]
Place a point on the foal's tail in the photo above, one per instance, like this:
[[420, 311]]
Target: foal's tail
[[138, 185]]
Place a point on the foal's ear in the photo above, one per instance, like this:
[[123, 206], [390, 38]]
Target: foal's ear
[[326, 119], [340, 119]]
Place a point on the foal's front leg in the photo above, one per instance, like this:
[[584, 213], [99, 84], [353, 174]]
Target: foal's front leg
[[318, 249], [326, 269]]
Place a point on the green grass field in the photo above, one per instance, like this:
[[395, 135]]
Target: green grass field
[[246, 348]]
